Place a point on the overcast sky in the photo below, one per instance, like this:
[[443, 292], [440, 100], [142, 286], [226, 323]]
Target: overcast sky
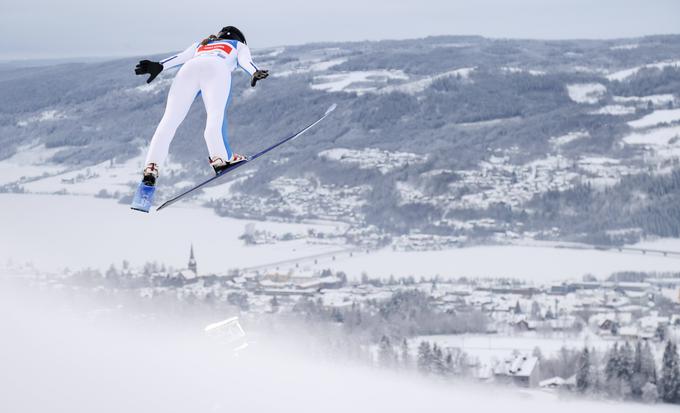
[[75, 28]]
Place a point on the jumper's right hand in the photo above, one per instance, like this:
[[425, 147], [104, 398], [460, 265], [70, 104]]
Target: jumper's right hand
[[258, 75], [148, 67]]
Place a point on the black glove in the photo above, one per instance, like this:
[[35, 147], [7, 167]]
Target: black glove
[[258, 75], [148, 67]]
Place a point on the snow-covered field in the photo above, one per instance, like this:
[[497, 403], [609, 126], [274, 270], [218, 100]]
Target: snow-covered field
[[54, 232], [614, 110], [540, 264], [357, 81], [655, 137], [655, 118], [23, 164], [376, 81], [373, 158], [420, 85], [569, 137], [657, 100], [586, 92], [626, 73], [487, 347]]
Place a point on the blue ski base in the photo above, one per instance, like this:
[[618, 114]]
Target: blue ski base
[[143, 198]]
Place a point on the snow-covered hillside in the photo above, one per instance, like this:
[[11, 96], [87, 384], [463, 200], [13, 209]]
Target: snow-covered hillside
[[147, 363], [428, 133]]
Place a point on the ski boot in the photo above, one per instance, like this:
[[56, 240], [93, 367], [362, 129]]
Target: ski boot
[[150, 174], [219, 165], [144, 195]]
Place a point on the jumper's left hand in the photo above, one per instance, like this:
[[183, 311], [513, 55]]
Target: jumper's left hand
[[258, 75]]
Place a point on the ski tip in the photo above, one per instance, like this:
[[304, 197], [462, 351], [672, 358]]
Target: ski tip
[[331, 108]]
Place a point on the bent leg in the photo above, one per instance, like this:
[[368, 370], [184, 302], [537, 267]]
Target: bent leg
[[216, 92], [182, 93]]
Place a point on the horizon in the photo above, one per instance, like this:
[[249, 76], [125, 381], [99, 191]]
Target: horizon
[[107, 29], [45, 61]]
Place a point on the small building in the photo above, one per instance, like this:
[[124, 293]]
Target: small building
[[552, 383], [520, 370]]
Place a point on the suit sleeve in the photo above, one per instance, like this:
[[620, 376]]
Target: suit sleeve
[[180, 58], [245, 60]]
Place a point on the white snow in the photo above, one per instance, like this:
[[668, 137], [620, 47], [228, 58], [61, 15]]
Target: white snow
[[568, 138], [156, 87], [617, 110], [625, 74], [373, 158], [655, 118], [655, 137], [310, 67], [667, 244], [362, 81], [489, 347], [512, 69], [420, 85], [30, 161], [90, 180], [276, 52], [54, 231], [167, 364], [586, 92], [47, 115], [532, 263], [628, 46], [657, 100]]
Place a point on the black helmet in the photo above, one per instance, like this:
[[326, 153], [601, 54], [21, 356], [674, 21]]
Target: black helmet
[[231, 32]]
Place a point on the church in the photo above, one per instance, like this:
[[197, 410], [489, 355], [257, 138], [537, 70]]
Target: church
[[191, 272]]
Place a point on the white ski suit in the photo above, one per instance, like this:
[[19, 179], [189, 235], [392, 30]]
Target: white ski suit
[[206, 69]]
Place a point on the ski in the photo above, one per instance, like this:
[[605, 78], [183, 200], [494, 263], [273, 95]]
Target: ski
[[143, 198], [249, 159]]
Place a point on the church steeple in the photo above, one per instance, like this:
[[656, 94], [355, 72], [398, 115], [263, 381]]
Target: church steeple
[[192, 261]]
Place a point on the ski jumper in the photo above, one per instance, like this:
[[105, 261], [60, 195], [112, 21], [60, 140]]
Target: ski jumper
[[206, 69]]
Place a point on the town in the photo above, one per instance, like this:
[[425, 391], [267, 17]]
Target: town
[[522, 333]]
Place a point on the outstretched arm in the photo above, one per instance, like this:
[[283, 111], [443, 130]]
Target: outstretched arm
[[245, 62], [155, 68], [179, 58]]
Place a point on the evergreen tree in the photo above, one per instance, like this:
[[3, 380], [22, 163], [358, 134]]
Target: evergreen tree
[[611, 372], [660, 333], [625, 373], [405, 356], [448, 363], [644, 371], [583, 379], [638, 380], [648, 364], [274, 304], [438, 366], [650, 393], [518, 309], [549, 314], [424, 357], [669, 383], [535, 310], [386, 355]]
